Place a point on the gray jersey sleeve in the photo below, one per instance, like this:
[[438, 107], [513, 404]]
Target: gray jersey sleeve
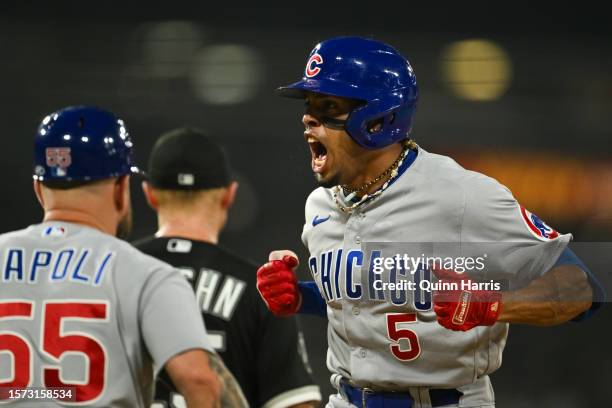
[[519, 246], [170, 321]]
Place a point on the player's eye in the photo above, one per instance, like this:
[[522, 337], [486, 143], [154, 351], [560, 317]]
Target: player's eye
[[330, 105], [329, 108]]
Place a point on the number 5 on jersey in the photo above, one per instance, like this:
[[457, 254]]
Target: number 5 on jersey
[[400, 336]]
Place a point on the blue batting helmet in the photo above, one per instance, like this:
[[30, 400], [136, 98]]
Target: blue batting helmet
[[82, 143], [367, 70]]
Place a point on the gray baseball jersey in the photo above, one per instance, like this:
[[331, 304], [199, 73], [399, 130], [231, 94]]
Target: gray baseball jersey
[[84, 311], [390, 339]]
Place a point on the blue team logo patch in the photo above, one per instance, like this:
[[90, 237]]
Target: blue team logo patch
[[537, 226]]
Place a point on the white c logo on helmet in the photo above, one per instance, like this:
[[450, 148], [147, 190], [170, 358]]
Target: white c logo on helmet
[[312, 68]]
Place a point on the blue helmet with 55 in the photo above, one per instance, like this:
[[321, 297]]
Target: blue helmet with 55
[[82, 143]]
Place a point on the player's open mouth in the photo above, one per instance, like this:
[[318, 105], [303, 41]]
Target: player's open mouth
[[319, 154]]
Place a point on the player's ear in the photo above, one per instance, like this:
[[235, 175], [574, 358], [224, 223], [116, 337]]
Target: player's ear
[[38, 191], [149, 195], [122, 193], [229, 195]]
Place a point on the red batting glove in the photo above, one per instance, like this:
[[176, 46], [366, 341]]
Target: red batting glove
[[464, 309], [277, 285]]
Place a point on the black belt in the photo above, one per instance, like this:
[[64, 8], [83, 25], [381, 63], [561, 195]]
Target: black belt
[[367, 398]]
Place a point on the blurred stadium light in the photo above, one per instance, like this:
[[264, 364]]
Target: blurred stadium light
[[476, 69], [168, 47], [558, 186], [226, 74]]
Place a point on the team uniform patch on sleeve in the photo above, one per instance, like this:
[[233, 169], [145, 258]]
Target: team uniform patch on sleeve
[[538, 228]]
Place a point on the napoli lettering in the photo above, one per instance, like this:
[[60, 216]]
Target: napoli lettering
[[66, 265]]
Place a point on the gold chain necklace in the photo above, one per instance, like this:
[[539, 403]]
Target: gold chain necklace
[[395, 165], [392, 170]]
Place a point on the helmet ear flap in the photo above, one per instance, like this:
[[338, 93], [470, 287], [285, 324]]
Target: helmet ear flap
[[375, 125], [379, 124]]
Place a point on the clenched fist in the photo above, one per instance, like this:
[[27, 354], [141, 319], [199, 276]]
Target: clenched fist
[[463, 308], [277, 283]]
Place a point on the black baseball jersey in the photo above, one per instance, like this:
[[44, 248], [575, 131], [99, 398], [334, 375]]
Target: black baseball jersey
[[266, 354]]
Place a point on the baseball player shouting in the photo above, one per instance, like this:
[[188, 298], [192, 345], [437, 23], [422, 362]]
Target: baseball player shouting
[[86, 319], [390, 348]]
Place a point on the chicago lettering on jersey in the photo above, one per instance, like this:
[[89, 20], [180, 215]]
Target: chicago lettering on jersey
[[66, 265], [353, 275]]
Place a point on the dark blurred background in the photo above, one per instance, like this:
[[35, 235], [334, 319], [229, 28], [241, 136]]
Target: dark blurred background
[[520, 92]]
